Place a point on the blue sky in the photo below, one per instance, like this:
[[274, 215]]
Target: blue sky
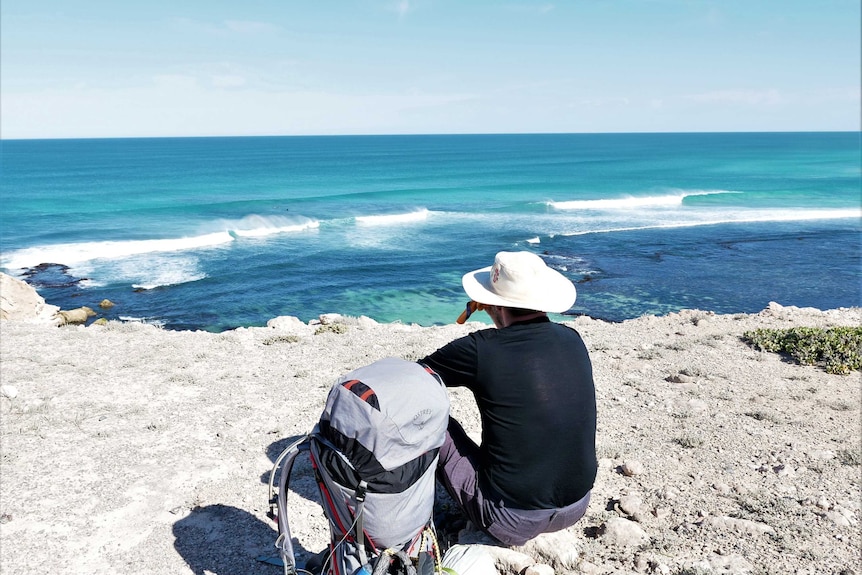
[[185, 68]]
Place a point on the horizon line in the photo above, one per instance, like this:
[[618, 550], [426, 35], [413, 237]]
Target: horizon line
[[427, 134]]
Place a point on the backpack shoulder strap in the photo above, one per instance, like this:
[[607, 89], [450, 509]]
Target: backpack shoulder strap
[[278, 501]]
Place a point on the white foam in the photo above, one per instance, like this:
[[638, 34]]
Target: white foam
[[535, 240], [71, 254], [228, 231], [255, 226], [759, 216], [632, 202], [155, 271], [169, 279], [145, 320], [387, 219]]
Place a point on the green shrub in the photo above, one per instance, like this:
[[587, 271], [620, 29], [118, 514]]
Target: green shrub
[[281, 339], [837, 349], [331, 328]]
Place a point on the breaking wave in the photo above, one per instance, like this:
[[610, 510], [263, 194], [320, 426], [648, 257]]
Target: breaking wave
[[759, 217], [631, 202], [387, 219], [77, 253]]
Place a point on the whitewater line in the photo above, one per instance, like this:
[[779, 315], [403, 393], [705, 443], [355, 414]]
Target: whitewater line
[[385, 219], [77, 253], [631, 202], [809, 216]]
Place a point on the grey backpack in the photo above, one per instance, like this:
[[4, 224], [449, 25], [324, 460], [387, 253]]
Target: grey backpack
[[374, 455]]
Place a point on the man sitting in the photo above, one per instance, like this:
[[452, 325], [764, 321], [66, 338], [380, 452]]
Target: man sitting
[[533, 384]]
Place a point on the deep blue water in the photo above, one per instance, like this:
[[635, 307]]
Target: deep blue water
[[216, 233]]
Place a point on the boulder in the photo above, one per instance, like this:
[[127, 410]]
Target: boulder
[[331, 318], [632, 467], [559, 550], [106, 304], [621, 532], [287, 324], [19, 301], [74, 316]]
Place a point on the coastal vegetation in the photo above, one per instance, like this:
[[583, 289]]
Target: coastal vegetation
[[837, 349]]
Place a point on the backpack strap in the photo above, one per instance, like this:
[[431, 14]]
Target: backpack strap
[[361, 491], [278, 501]]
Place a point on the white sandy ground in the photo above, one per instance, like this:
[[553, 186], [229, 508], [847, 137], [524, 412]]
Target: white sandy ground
[[131, 449]]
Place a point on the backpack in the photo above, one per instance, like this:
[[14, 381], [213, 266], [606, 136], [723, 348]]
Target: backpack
[[374, 454]]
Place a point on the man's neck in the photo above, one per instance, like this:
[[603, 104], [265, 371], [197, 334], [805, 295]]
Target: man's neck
[[506, 318]]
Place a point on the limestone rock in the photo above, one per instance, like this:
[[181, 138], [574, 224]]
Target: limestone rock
[[365, 321], [730, 564], [74, 316], [631, 504], [509, 560], [632, 467], [286, 323], [837, 518], [106, 304], [722, 488], [539, 569], [740, 525], [822, 454], [331, 318], [624, 533], [19, 301], [558, 549], [588, 568]]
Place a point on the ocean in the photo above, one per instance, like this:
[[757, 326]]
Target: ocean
[[219, 233]]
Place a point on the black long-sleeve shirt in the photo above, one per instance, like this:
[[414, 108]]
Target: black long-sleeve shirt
[[533, 384]]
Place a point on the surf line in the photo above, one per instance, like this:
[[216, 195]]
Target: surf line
[[630, 202]]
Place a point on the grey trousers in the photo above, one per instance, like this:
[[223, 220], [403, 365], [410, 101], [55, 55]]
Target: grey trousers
[[457, 471]]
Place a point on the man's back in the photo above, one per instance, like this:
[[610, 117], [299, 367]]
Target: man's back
[[534, 388]]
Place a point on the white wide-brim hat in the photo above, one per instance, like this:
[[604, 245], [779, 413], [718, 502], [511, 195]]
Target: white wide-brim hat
[[522, 280]]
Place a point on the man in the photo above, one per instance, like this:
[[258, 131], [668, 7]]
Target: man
[[533, 384]]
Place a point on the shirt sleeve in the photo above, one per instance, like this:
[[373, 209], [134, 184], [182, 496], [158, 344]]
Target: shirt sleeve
[[455, 362]]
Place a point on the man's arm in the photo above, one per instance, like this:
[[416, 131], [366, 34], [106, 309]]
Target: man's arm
[[455, 362]]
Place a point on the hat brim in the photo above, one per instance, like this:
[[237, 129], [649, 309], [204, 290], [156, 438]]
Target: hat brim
[[559, 294]]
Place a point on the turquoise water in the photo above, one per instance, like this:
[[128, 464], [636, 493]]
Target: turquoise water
[[215, 233]]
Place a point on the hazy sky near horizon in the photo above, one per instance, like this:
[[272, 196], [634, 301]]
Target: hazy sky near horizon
[[101, 68]]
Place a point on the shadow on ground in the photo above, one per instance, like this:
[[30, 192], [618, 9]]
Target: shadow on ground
[[225, 540]]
